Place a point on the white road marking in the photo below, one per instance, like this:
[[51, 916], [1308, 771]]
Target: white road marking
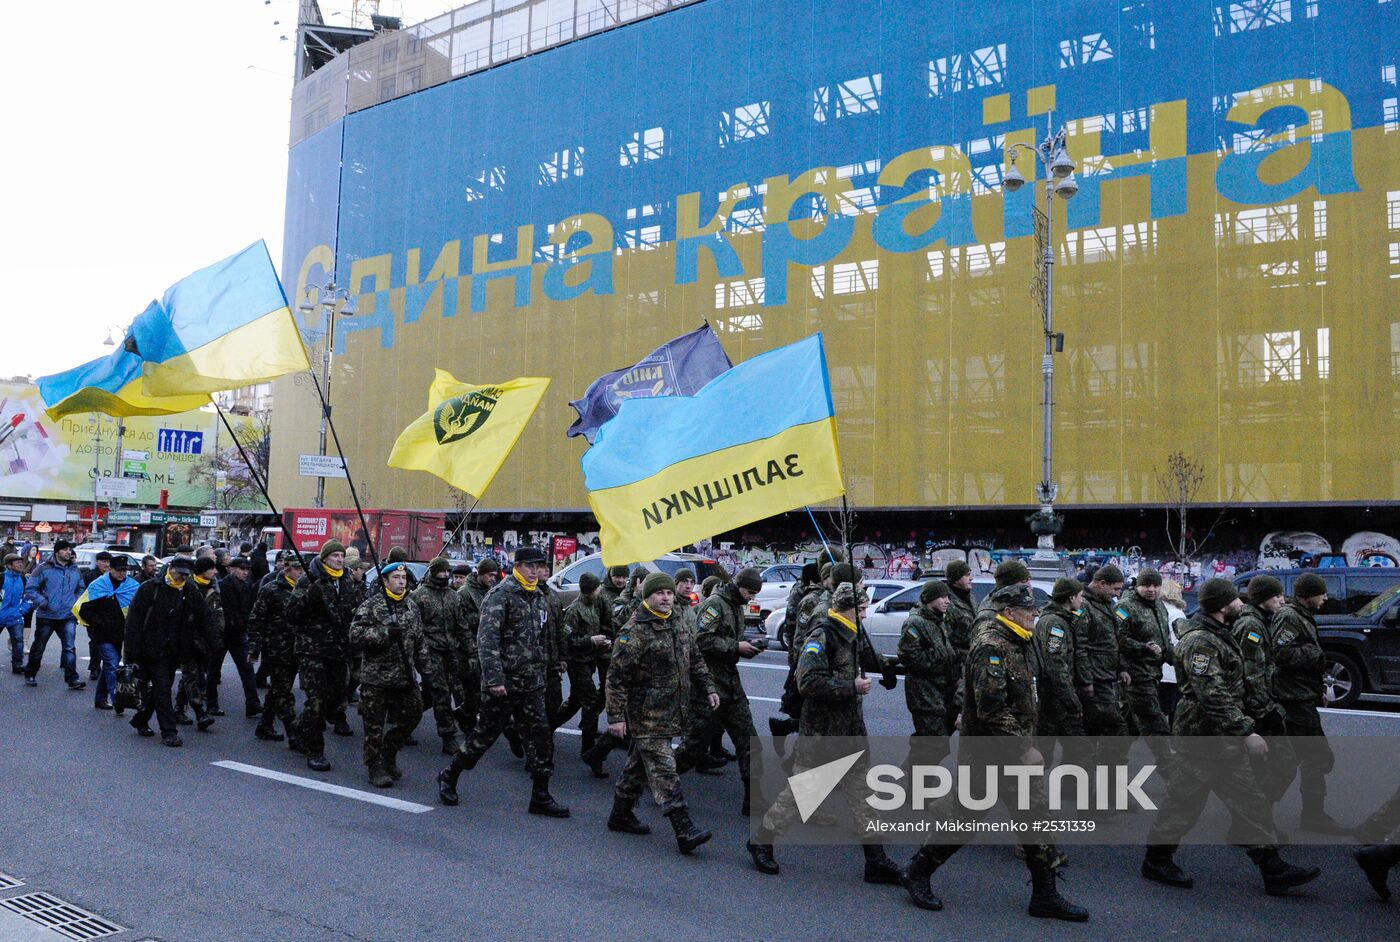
[[766, 667], [320, 786], [1358, 712], [766, 699]]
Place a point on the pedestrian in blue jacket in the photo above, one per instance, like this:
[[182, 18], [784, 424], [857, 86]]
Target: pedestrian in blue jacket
[[14, 609], [53, 589]]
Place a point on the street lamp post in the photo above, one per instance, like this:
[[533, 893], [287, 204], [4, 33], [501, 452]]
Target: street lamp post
[[335, 302], [1059, 181]]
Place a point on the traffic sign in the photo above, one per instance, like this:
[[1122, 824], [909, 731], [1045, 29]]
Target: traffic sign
[[320, 466], [117, 487], [132, 455], [178, 441]]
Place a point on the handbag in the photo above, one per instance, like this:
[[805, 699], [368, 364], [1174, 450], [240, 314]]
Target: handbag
[[128, 695]]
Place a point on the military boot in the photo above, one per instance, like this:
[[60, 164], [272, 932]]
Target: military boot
[[267, 732], [763, 859], [379, 776], [597, 753], [342, 727], [1046, 901], [879, 868], [318, 763], [744, 806], [447, 778], [542, 802], [915, 879], [1279, 875], [624, 818], [512, 735], [182, 718], [1316, 819], [688, 836], [779, 728], [1375, 861], [1158, 865], [203, 720]]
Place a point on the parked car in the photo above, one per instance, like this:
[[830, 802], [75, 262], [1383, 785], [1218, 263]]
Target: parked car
[[86, 555], [1363, 649], [885, 620], [1349, 588], [417, 567], [565, 581], [778, 580], [877, 589]]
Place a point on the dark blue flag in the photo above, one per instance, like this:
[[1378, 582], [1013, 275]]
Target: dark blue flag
[[678, 367]]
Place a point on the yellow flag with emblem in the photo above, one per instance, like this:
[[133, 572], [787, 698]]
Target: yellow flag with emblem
[[468, 430]]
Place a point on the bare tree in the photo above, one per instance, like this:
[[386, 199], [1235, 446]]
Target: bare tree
[[464, 503], [240, 489], [1180, 485]]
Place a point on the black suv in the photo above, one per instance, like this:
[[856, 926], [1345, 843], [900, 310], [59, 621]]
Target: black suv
[[1359, 627]]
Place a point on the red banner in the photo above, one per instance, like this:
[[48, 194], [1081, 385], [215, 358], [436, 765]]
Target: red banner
[[564, 547]]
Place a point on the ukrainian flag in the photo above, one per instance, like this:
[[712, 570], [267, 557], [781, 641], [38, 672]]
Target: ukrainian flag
[[222, 327], [757, 440], [110, 385]]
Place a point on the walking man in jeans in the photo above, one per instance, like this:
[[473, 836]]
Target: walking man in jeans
[[53, 588], [14, 608]]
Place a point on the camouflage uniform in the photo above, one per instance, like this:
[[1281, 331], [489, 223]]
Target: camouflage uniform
[[960, 615], [470, 596], [582, 620], [719, 629], [387, 635], [624, 606], [514, 647], [1211, 679], [930, 676], [321, 608], [1103, 714], [799, 590], [444, 629], [1139, 623], [656, 668], [192, 672], [272, 637], [1059, 635], [1251, 632], [1300, 665], [1000, 716]]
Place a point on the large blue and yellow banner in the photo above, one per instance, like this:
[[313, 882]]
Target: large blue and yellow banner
[[111, 385], [758, 440]]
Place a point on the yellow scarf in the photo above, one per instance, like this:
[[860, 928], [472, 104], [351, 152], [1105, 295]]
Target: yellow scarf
[[333, 573], [396, 596], [842, 620], [201, 581], [655, 612], [290, 581], [1021, 633], [172, 582], [529, 585]]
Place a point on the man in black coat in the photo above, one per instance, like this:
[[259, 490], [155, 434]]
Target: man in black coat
[[238, 592], [167, 626]]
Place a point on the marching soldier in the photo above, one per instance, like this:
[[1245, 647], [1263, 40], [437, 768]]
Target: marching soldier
[[1103, 714], [930, 671], [961, 609], [833, 686], [1009, 572], [612, 587], [1144, 645], [1377, 860], [999, 716], [626, 603], [444, 630], [1212, 707], [1059, 633], [322, 606], [588, 648], [166, 628], [387, 634], [487, 574], [1299, 685], [513, 647], [1276, 770], [193, 674], [272, 638], [656, 668]]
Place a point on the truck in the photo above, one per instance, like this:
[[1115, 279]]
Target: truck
[[418, 533]]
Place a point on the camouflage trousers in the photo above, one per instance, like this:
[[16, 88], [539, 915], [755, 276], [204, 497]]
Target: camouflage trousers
[[559, 710], [444, 690], [732, 717], [323, 682], [527, 709], [191, 689], [810, 753], [469, 674], [1382, 821], [978, 767], [1103, 717], [1315, 757], [930, 740], [1142, 709], [389, 714], [280, 703], [583, 697], [1205, 765], [650, 761]]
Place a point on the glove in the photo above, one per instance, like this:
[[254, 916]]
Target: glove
[[888, 678]]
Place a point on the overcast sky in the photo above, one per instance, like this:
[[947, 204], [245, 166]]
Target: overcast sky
[[142, 141]]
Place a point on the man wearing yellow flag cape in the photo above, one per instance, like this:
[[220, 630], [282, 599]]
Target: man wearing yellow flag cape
[[468, 430]]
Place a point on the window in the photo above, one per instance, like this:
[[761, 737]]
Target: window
[[593, 564], [643, 146], [1086, 49], [962, 71], [744, 123], [879, 592], [561, 165], [843, 99], [905, 601], [1361, 589]]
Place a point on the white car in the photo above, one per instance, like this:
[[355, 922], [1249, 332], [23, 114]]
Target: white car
[[778, 581], [877, 589], [885, 620]]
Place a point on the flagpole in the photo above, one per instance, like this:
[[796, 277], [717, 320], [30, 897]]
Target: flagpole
[[846, 548], [257, 479], [354, 496]]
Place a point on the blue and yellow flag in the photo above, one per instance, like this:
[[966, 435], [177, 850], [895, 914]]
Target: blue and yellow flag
[[468, 430], [222, 327], [758, 440], [102, 588], [110, 385]]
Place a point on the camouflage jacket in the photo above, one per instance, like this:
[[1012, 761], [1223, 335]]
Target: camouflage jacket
[[321, 608], [1001, 678], [961, 613], [446, 627], [688, 615], [607, 595], [794, 601], [1144, 622], [827, 668], [814, 605], [1058, 635], [930, 663], [1100, 640], [214, 604], [623, 606], [270, 633], [512, 640], [583, 620], [656, 670], [388, 637], [719, 627], [1298, 655], [1251, 632], [1211, 681], [557, 633]]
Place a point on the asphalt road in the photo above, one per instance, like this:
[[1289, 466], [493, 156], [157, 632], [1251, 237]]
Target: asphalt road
[[176, 848]]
